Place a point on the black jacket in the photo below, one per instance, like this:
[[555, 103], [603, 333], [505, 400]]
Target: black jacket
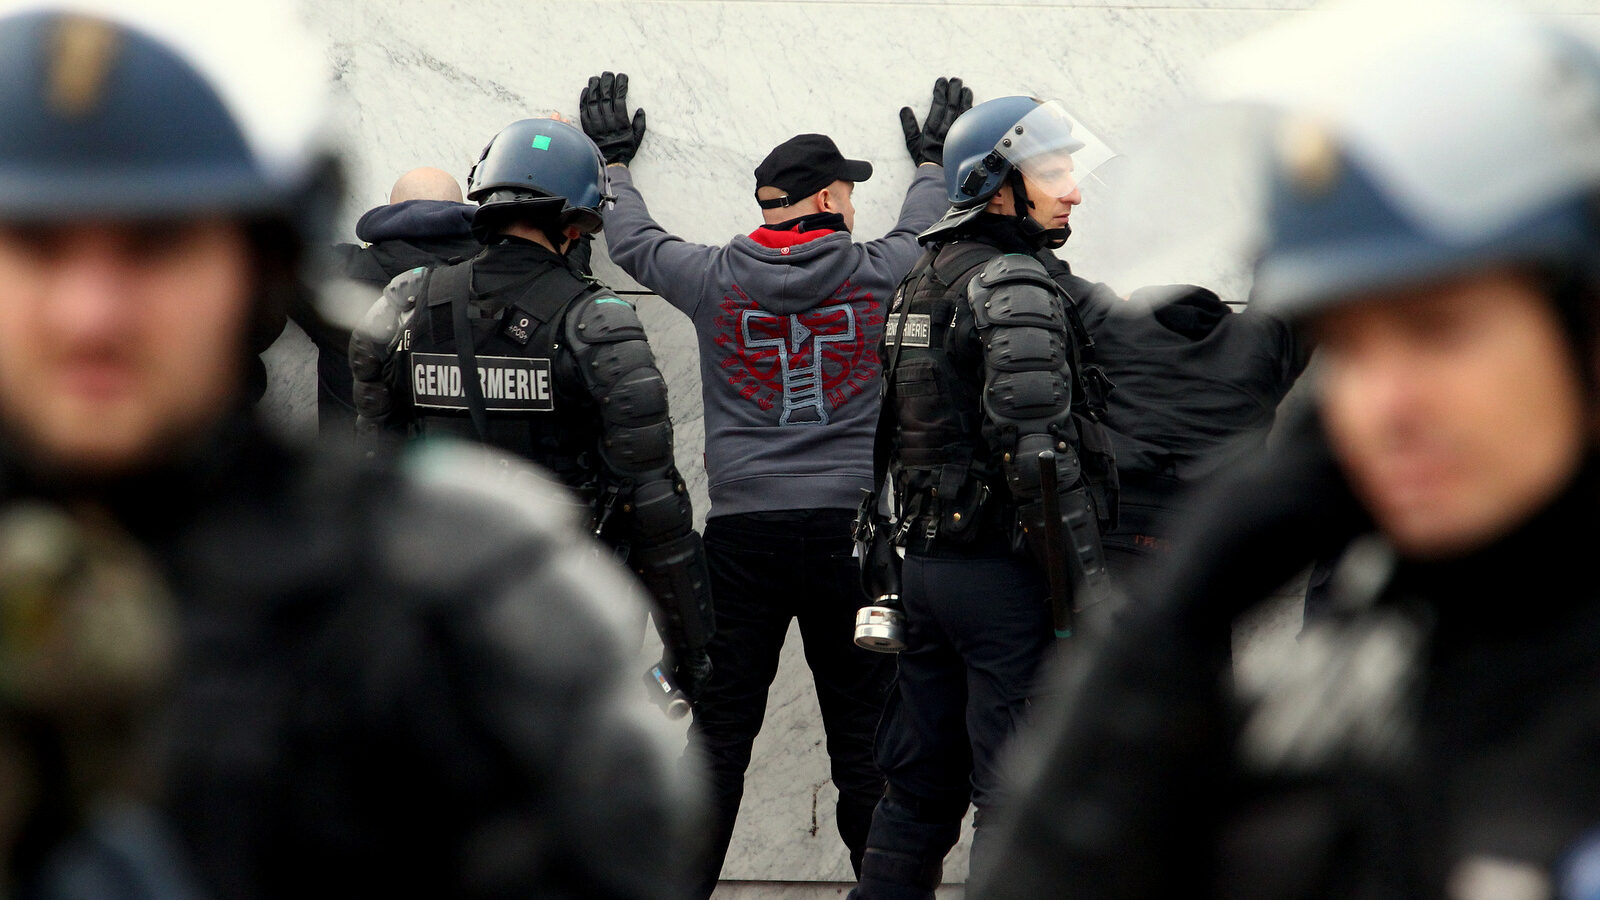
[[1196, 388], [392, 679], [956, 432]]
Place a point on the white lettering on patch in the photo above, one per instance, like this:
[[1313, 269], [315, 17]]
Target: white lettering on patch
[[508, 383], [918, 330]]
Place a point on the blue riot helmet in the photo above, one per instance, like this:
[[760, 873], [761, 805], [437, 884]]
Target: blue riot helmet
[[974, 167], [155, 111], [543, 170], [129, 113], [1368, 188], [1000, 140]]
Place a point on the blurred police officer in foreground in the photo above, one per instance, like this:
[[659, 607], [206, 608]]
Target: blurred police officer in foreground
[[789, 319], [565, 374], [232, 669], [981, 364], [1433, 733]]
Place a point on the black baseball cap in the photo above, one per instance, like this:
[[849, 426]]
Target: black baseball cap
[[805, 164]]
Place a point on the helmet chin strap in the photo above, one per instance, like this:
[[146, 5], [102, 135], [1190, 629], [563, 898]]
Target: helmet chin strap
[[1035, 233]]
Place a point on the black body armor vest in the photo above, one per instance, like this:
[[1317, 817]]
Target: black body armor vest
[[533, 401], [946, 456], [943, 462]]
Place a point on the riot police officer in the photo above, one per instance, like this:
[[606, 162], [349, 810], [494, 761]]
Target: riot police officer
[[565, 376], [982, 377], [1431, 733], [234, 666]]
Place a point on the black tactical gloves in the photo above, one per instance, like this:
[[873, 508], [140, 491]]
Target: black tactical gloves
[[692, 672], [603, 112], [926, 143]]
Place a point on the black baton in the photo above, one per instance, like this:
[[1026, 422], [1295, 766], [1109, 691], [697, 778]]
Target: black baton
[[1055, 550]]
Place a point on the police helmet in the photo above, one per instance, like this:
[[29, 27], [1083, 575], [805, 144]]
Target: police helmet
[[159, 109], [991, 139], [162, 109], [1400, 166], [541, 168]]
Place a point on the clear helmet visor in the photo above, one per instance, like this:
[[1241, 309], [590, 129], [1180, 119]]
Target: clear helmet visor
[[1053, 149]]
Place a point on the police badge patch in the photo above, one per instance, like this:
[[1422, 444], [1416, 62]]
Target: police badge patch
[[508, 383], [918, 330]]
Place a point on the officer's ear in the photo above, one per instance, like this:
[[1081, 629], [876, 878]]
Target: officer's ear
[[1000, 204], [572, 233]]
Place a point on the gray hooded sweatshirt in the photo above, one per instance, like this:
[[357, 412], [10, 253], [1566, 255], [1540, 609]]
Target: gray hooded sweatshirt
[[789, 326]]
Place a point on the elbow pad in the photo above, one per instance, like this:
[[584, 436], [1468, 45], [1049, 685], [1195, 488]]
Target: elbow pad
[[620, 372], [661, 510]]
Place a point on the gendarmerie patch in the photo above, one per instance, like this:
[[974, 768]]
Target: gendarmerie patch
[[918, 328], [509, 383]]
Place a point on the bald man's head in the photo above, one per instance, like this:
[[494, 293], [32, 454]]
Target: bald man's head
[[426, 183]]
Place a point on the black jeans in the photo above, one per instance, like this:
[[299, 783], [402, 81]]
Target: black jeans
[[767, 568], [977, 632]]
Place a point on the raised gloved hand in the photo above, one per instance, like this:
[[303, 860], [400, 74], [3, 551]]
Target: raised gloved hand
[[926, 142], [603, 113]]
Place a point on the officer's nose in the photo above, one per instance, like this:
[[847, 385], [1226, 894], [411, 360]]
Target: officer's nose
[[90, 275], [1374, 384]]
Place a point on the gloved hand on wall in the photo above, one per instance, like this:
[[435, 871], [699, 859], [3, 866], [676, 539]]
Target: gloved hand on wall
[[926, 142], [603, 114]]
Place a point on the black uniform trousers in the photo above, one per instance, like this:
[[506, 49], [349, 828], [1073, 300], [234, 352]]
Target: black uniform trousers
[[978, 630], [767, 568]]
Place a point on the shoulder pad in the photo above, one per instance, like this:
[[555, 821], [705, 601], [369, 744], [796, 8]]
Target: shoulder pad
[[1015, 267], [404, 290], [1015, 290], [604, 318]]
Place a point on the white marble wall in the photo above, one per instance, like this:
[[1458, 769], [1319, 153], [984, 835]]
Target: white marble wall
[[428, 82]]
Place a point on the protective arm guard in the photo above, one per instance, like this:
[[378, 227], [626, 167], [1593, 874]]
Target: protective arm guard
[[620, 373], [373, 347], [1082, 557], [1027, 391], [675, 575], [1027, 397]]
